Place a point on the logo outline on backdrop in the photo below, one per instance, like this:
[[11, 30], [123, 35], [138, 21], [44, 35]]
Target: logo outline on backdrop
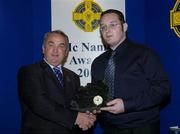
[[175, 18], [86, 15]]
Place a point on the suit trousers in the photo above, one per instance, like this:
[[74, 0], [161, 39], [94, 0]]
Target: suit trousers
[[153, 128]]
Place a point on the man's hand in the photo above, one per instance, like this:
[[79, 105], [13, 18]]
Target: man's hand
[[85, 120], [115, 106]]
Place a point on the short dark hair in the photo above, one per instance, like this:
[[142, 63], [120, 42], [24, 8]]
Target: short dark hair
[[46, 35], [119, 14]]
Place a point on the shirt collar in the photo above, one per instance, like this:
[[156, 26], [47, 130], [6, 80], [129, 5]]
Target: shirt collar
[[60, 66]]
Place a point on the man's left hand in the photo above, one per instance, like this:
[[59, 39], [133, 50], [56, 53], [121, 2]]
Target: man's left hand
[[115, 106]]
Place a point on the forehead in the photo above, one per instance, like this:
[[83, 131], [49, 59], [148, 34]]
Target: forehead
[[56, 37], [109, 18]]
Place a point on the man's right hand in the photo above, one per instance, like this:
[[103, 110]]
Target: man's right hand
[[85, 120]]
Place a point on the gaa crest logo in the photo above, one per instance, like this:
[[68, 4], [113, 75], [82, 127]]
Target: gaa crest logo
[[175, 18], [86, 15]]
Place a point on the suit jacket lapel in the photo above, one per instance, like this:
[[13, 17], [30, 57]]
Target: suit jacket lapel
[[57, 93], [50, 73], [67, 81]]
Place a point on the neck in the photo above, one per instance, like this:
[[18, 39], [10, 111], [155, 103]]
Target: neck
[[115, 46]]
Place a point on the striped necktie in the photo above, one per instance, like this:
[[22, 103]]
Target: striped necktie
[[59, 75], [109, 74]]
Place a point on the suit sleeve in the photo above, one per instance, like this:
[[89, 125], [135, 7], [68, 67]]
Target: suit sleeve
[[159, 86], [34, 98]]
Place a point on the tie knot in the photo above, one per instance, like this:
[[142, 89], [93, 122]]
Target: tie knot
[[113, 53], [59, 75], [56, 70]]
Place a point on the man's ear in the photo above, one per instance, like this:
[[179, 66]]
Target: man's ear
[[67, 52], [125, 27]]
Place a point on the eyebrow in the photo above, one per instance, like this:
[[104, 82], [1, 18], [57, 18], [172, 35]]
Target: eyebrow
[[62, 43], [114, 21], [50, 42]]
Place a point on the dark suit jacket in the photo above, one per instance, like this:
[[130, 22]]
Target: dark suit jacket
[[45, 104], [139, 80]]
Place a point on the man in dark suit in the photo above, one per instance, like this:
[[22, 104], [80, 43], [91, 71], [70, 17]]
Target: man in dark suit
[[45, 99], [136, 80]]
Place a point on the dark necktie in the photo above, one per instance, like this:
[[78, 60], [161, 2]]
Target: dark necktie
[[59, 75], [109, 75]]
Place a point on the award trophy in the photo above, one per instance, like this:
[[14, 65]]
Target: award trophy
[[91, 97]]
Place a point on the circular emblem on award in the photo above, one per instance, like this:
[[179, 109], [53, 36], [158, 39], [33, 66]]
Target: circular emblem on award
[[90, 97], [98, 100], [86, 15]]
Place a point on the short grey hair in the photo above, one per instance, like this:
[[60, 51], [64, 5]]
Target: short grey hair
[[46, 35]]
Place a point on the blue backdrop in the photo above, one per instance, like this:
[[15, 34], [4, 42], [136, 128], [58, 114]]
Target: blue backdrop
[[23, 23]]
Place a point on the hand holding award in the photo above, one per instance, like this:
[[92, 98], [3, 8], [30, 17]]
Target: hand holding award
[[90, 97]]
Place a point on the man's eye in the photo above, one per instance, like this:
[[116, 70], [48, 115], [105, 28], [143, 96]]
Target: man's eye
[[62, 45], [113, 25], [103, 28]]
